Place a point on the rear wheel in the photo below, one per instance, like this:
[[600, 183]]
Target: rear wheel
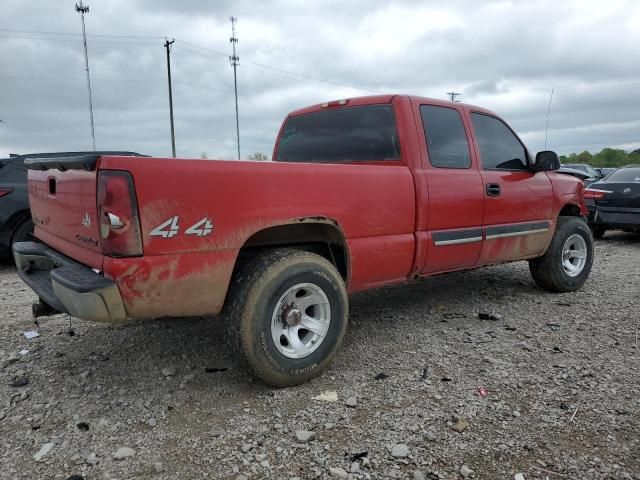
[[286, 315], [23, 232], [597, 232], [567, 263]]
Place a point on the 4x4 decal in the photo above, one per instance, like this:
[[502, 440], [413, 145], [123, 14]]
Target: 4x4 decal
[[171, 227]]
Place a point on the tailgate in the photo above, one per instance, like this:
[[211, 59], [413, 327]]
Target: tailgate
[[62, 198]]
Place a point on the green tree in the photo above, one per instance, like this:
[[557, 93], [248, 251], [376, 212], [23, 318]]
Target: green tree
[[584, 157], [259, 156], [607, 157]]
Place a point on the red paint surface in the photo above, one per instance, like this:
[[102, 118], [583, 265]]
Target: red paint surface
[[387, 213]]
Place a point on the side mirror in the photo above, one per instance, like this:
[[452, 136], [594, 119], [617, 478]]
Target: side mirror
[[546, 161]]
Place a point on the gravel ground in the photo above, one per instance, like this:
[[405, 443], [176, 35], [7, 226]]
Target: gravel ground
[[163, 400]]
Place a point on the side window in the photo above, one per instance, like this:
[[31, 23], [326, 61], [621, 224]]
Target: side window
[[447, 142], [500, 149]]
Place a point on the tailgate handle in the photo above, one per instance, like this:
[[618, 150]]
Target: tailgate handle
[[493, 189], [52, 186]]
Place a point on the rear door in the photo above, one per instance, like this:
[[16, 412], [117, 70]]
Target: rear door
[[455, 198], [518, 204]]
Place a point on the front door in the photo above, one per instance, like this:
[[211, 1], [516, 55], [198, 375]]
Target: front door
[[518, 218]]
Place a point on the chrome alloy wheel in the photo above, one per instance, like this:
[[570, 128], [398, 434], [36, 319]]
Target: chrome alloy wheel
[[300, 320], [574, 255]]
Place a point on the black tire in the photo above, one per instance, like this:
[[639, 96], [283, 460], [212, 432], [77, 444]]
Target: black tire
[[548, 271], [23, 232], [597, 232], [254, 294]]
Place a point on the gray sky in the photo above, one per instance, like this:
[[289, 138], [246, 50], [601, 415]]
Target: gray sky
[[502, 55]]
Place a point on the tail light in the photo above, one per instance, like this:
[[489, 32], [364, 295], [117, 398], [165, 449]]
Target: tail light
[[595, 194], [5, 191], [118, 214]]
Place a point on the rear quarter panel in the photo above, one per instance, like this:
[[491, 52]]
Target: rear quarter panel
[[373, 206]]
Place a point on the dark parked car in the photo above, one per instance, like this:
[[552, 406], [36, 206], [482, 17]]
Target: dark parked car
[[604, 171], [614, 201], [583, 167], [586, 179], [15, 219]]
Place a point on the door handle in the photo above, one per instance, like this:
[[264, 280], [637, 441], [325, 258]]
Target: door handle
[[493, 189]]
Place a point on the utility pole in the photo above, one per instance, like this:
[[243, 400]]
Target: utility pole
[[82, 9], [167, 45], [453, 95], [235, 61]]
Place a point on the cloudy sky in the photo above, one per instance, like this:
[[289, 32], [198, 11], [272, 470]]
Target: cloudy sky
[[503, 55]]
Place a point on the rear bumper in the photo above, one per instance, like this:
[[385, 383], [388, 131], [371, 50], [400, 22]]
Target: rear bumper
[[614, 217], [68, 286]]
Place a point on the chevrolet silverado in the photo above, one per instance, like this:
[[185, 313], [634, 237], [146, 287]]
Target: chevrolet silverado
[[361, 193]]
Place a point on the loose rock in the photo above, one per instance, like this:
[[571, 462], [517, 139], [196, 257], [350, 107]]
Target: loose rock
[[400, 450], [465, 471], [460, 425], [351, 402], [338, 472], [304, 436], [124, 452], [44, 451]]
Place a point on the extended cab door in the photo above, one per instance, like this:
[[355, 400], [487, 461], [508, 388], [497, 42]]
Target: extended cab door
[[455, 191], [518, 212]]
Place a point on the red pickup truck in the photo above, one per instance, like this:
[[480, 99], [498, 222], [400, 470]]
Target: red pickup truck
[[361, 193]]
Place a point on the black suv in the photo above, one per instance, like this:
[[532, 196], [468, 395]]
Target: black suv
[[15, 218]]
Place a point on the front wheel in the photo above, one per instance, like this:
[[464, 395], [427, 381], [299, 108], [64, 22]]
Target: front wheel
[[567, 263], [286, 315]]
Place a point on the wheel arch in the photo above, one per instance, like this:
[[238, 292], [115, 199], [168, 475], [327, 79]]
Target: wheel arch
[[570, 210], [320, 235]]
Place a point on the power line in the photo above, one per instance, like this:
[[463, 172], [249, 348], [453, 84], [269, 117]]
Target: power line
[[130, 80], [235, 61], [82, 10], [215, 52], [73, 34], [269, 67], [74, 40]]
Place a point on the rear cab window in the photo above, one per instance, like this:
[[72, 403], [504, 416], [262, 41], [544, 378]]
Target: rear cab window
[[341, 135], [499, 148], [447, 142]]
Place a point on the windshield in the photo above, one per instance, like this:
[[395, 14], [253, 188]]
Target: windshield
[[345, 134]]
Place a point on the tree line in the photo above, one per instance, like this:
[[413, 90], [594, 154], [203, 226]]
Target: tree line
[[607, 157]]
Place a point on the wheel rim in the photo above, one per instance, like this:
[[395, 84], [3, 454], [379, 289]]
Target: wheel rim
[[300, 320], [574, 255]]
